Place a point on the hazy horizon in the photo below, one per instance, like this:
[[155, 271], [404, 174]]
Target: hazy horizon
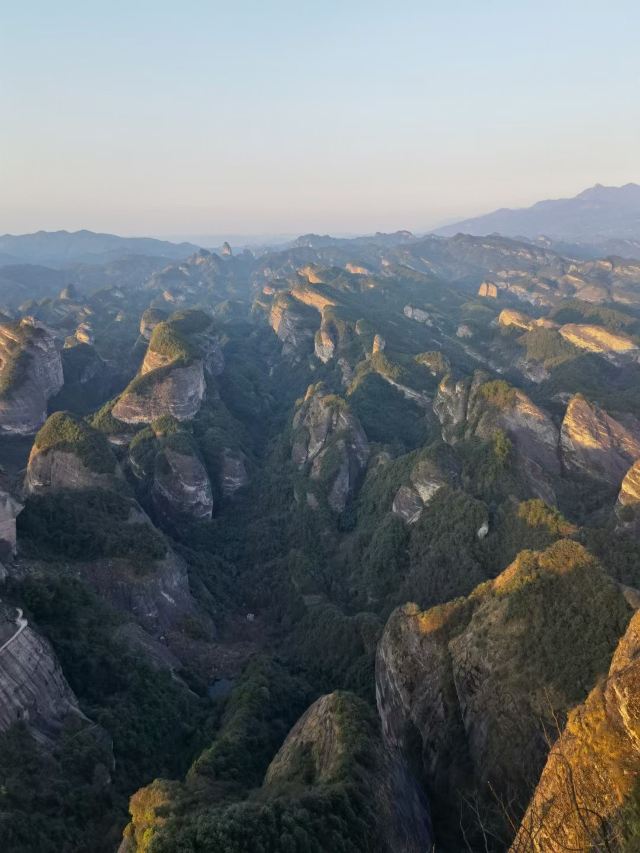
[[254, 121]]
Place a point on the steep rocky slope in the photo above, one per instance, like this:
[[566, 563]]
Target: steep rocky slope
[[329, 444], [30, 373], [465, 690], [592, 770], [182, 351], [68, 454], [477, 407], [596, 444], [33, 688]]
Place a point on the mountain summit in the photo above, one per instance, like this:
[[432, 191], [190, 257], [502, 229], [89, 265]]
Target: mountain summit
[[595, 214]]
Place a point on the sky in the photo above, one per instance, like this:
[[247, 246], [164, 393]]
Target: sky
[[275, 117]]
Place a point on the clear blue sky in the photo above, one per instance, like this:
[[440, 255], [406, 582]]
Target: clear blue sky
[[192, 118]]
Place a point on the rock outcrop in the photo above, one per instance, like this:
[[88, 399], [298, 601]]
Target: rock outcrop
[[598, 339], [10, 508], [595, 444], [30, 374], [233, 474], [330, 444], [592, 770], [488, 290], [150, 319], [460, 692], [417, 314], [181, 486], [177, 391], [181, 351], [426, 480], [477, 407], [293, 323], [32, 686], [69, 454], [324, 738]]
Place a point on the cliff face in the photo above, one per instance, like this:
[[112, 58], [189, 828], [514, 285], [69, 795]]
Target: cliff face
[[68, 454], [592, 770], [426, 480], [172, 390], [32, 686], [596, 444], [30, 373], [181, 486], [10, 508], [293, 323], [233, 472], [324, 737], [476, 407], [329, 442], [599, 340], [462, 694]]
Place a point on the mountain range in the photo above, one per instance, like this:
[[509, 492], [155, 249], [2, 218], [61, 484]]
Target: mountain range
[[595, 215]]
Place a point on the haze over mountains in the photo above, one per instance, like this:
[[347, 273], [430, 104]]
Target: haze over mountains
[[596, 215]]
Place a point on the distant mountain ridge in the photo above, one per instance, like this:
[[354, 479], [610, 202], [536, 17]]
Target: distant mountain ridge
[[597, 214], [59, 248]]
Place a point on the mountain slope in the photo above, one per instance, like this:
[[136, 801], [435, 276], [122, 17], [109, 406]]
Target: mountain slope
[[57, 248], [594, 214]]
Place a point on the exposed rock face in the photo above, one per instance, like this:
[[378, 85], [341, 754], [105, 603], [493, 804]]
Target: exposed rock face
[[324, 734], [597, 339], [55, 469], [324, 344], [508, 317], [330, 441], [464, 331], [592, 769], [9, 510], [234, 472], [630, 488], [30, 373], [458, 690], [476, 407], [418, 315], [488, 289], [173, 390], [596, 444], [426, 481], [150, 319], [68, 454], [157, 595], [407, 504], [32, 686], [291, 324], [181, 486]]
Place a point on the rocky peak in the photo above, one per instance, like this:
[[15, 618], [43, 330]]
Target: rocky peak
[[330, 443], [459, 691], [69, 454], [30, 373], [591, 772], [595, 444]]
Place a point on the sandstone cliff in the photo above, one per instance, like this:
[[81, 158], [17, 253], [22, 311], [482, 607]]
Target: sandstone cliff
[[598, 339], [325, 740], [596, 444], [32, 686], [466, 689], [477, 407], [69, 454], [330, 445], [30, 373], [592, 770]]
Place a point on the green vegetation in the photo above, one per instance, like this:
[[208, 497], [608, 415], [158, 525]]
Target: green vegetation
[[548, 347], [87, 524], [67, 433], [294, 814], [498, 393], [15, 358], [104, 421]]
